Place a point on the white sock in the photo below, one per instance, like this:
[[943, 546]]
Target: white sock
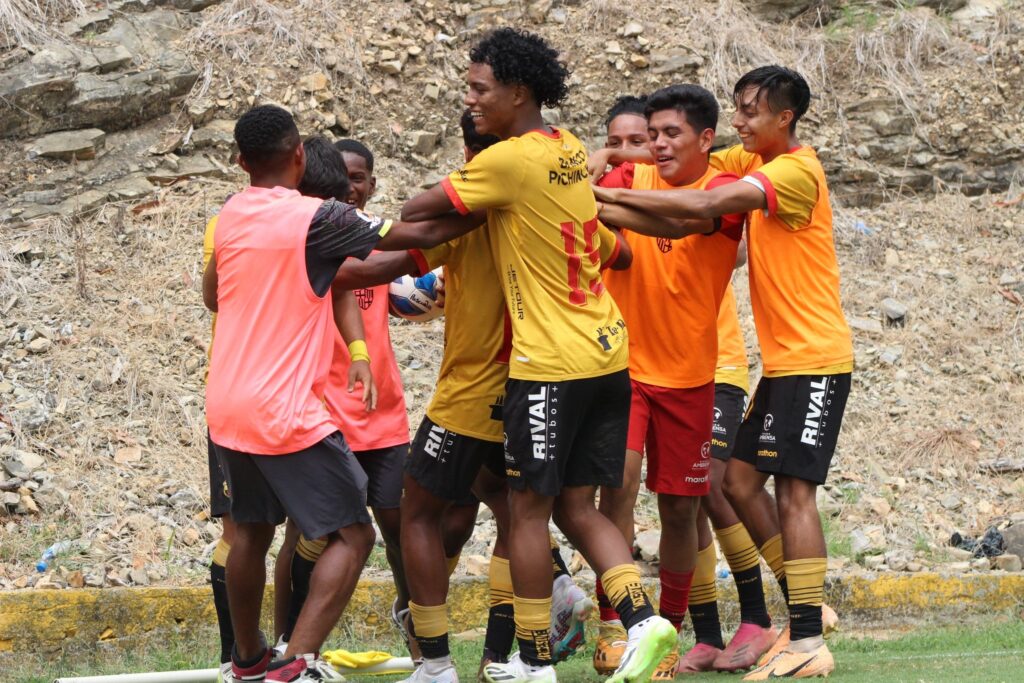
[[436, 666]]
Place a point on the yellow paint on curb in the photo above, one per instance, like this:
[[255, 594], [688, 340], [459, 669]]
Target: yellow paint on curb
[[50, 620]]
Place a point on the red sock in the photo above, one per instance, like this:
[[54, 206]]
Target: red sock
[[604, 605], [675, 595]]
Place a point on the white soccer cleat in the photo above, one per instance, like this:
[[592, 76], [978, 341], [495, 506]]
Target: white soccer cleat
[[434, 671], [518, 671], [649, 642]]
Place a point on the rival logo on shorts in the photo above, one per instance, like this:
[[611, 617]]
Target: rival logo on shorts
[[812, 423], [434, 442], [766, 435], [539, 421]]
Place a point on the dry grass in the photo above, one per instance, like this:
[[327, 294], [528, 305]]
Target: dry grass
[[27, 23]]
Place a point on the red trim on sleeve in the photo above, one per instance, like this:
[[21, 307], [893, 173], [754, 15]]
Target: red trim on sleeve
[[732, 224], [505, 352], [453, 196], [769, 192], [422, 267], [619, 177], [554, 133], [614, 256]]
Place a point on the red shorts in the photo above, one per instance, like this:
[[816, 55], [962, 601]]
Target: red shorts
[[675, 426]]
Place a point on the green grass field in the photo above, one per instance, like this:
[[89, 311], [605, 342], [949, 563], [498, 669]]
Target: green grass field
[[989, 654]]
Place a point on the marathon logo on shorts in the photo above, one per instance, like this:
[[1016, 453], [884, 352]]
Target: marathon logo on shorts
[[766, 430], [815, 411], [540, 411]]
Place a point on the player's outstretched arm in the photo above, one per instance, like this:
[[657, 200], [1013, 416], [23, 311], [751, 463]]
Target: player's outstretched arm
[[599, 160], [210, 284], [731, 198], [423, 234], [433, 203], [377, 269], [350, 324], [651, 224]]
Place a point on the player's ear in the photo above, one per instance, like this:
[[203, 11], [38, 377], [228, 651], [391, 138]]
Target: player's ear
[[243, 163], [785, 118], [373, 186], [707, 139], [520, 94]]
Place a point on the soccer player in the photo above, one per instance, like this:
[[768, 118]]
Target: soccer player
[[378, 432], [626, 125], [670, 300], [566, 408], [275, 256], [791, 429]]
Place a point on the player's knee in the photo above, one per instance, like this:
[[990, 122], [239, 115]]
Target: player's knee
[[736, 489], [795, 496], [679, 511]]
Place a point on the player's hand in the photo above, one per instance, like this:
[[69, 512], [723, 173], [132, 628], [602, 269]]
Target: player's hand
[[439, 290], [359, 373], [597, 162]]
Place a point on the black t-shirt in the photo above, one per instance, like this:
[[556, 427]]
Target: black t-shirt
[[338, 231]]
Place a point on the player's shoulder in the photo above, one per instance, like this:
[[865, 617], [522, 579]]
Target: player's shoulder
[[735, 159]]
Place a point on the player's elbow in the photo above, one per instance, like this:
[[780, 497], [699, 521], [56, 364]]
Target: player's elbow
[[210, 300]]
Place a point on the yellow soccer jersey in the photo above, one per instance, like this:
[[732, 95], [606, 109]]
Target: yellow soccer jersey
[[545, 230], [471, 385], [211, 226]]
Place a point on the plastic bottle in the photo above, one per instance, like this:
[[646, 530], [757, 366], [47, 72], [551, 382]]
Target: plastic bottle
[[52, 552]]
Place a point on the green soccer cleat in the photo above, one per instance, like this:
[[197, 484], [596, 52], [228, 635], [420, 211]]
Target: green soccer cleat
[[649, 642]]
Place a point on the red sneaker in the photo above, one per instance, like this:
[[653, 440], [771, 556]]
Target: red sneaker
[[750, 642], [700, 658]]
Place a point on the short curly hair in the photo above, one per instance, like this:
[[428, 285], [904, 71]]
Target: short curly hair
[[266, 135], [523, 58]]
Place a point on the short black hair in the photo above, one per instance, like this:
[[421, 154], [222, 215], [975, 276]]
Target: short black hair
[[325, 175], [474, 141], [265, 136], [626, 104], [522, 58], [355, 147], [698, 104], [784, 88]]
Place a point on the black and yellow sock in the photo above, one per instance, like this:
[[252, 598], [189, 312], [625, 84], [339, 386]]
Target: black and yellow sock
[[218, 581], [307, 552], [707, 628], [501, 624], [430, 627], [626, 593], [558, 567], [771, 551], [806, 590], [533, 629], [745, 564], [453, 563]]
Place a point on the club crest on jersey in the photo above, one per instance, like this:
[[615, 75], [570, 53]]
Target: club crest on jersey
[[364, 297], [664, 244]]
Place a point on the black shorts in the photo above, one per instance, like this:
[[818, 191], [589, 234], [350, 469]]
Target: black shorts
[[321, 488], [730, 404], [220, 495], [383, 467], [570, 433], [446, 463], [793, 424]]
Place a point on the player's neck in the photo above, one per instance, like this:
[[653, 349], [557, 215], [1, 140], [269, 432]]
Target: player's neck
[[524, 123], [690, 175], [779, 147], [271, 180]]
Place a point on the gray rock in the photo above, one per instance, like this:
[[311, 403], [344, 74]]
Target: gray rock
[[981, 564], [859, 542], [76, 144], [218, 134], [27, 460], [185, 499], [188, 167], [633, 28], [895, 313], [886, 125], [130, 187], [422, 141], [86, 202], [104, 58], [40, 345], [676, 61], [193, 5], [88, 22], [116, 102], [865, 325], [891, 355], [139, 577], [647, 542], [951, 501], [1013, 540], [200, 111], [1007, 562]]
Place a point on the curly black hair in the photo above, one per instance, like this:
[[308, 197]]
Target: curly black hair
[[784, 89], [265, 136], [523, 58], [626, 104], [326, 176]]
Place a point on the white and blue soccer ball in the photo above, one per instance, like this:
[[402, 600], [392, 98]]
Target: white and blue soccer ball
[[417, 298]]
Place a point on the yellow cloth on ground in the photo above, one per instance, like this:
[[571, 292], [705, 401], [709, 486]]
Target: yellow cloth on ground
[[373, 662]]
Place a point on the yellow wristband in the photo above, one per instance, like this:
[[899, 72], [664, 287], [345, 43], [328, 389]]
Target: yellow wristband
[[357, 351]]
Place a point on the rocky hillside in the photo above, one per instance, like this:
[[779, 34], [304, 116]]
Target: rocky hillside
[[116, 147]]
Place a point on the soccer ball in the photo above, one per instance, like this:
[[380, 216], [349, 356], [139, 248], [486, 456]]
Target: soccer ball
[[418, 298]]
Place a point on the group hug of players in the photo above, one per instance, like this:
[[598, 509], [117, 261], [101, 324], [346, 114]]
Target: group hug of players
[[572, 350]]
